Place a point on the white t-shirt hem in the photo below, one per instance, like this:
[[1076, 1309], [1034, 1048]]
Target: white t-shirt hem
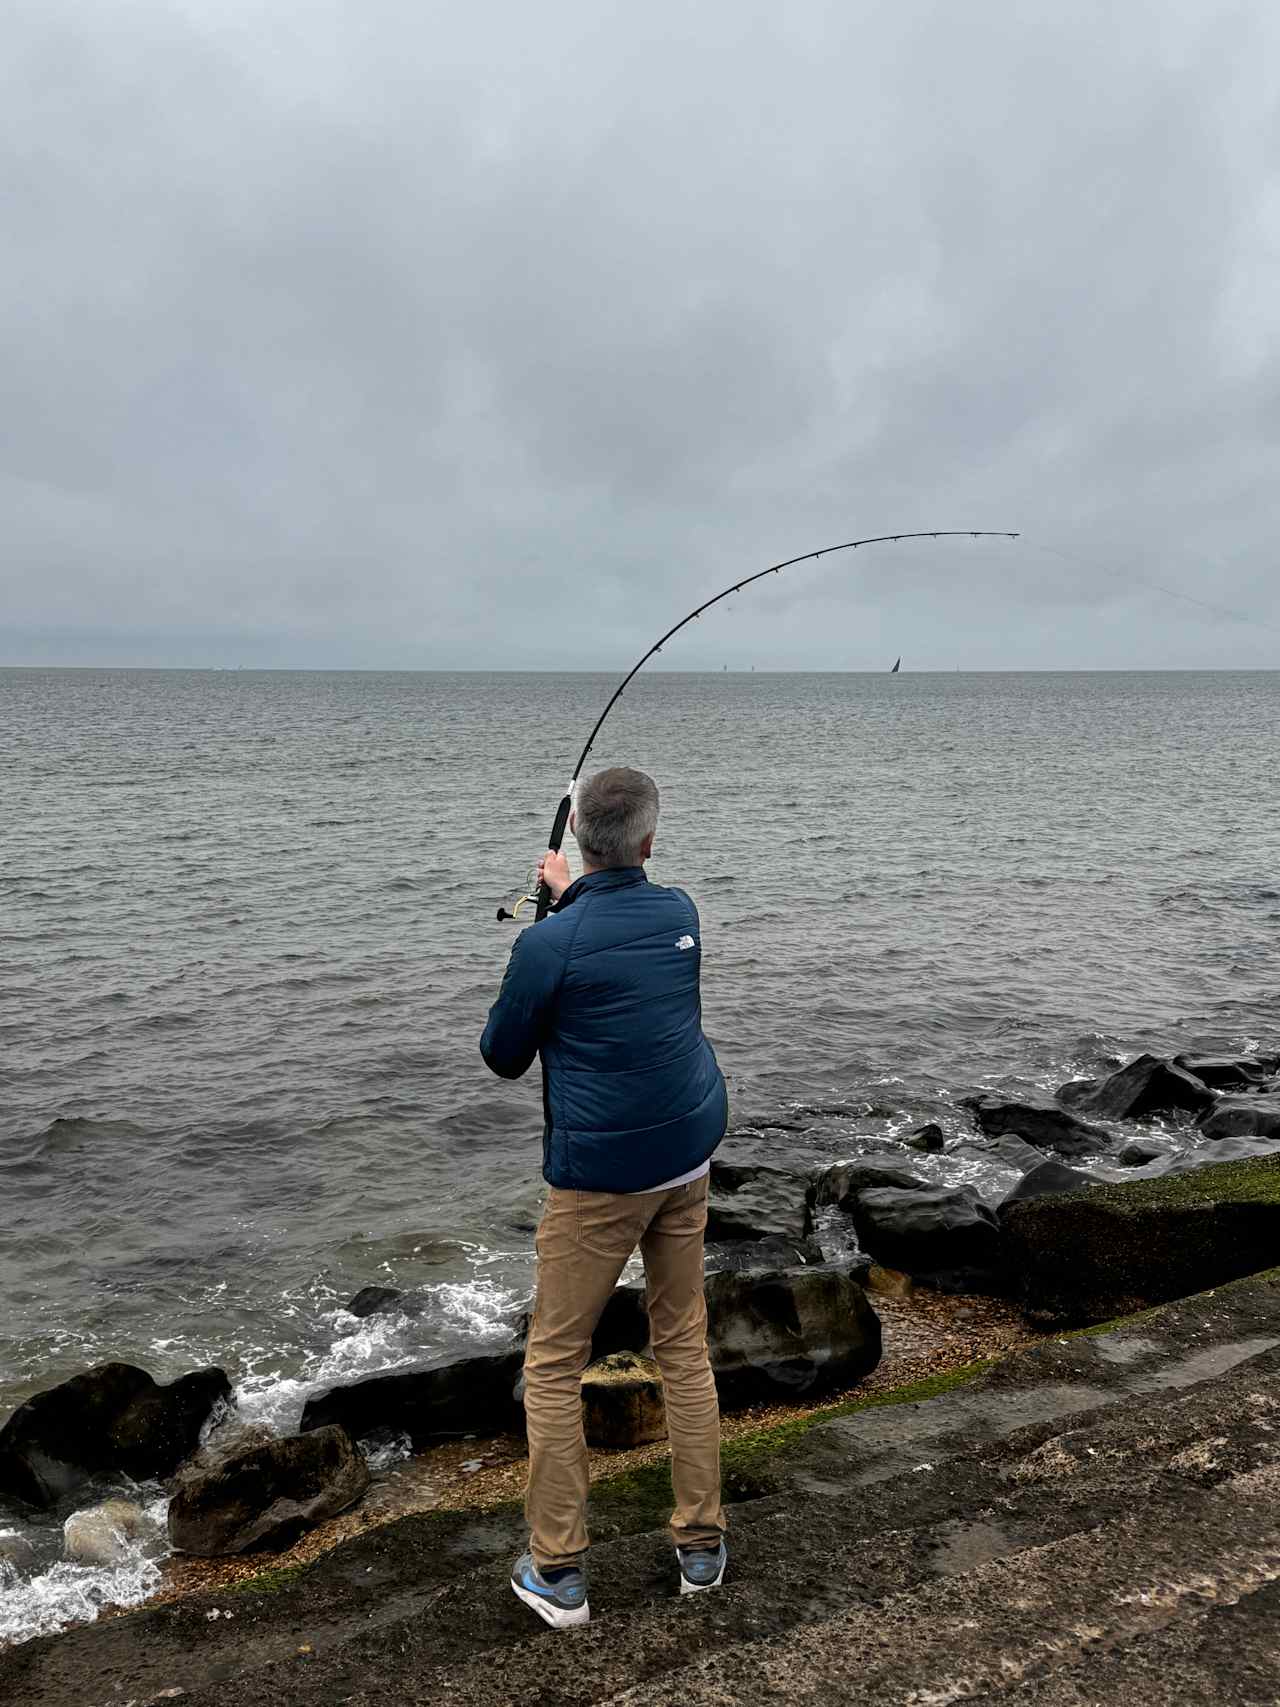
[[671, 1184]]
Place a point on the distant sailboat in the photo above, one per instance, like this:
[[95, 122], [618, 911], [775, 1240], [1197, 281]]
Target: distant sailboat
[[896, 668]]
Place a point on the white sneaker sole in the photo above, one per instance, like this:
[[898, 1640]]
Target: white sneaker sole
[[556, 1616], [686, 1587]]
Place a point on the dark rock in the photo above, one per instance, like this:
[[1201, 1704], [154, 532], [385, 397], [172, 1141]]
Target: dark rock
[[946, 1236], [1089, 1256], [1225, 1072], [756, 1203], [623, 1324], [763, 1253], [930, 1138], [784, 1333], [1141, 1151], [791, 1343], [1076, 1091], [473, 1395], [1223, 1150], [839, 1185], [113, 1418], [1244, 1117], [373, 1300], [1015, 1152], [267, 1495], [622, 1403], [1147, 1087], [1039, 1121], [1045, 1180]]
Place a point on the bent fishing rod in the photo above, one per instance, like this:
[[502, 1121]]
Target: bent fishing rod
[[541, 899]]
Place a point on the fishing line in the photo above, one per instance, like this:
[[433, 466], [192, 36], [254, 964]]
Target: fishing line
[[1157, 587], [541, 900]]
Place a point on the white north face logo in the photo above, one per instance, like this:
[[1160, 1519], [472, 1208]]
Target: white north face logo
[[685, 942]]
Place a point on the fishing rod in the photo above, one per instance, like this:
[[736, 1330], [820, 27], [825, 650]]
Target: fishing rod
[[540, 899]]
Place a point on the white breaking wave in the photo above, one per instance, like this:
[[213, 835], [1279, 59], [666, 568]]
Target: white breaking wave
[[458, 1315], [65, 1593]]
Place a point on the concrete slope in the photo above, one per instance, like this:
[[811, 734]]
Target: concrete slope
[[1082, 1512]]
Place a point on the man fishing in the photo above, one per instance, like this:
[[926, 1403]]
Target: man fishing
[[606, 989]]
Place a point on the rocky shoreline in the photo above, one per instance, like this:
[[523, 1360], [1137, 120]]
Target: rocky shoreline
[[1092, 1229], [1090, 1519]]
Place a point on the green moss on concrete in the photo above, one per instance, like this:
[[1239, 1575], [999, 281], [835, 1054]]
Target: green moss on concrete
[[271, 1581]]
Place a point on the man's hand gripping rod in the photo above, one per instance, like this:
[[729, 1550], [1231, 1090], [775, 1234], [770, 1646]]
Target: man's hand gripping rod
[[541, 901]]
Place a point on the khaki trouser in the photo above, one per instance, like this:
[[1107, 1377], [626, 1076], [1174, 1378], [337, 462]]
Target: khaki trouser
[[584, 1241]]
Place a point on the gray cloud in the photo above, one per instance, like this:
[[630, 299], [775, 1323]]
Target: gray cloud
[[409, 336]]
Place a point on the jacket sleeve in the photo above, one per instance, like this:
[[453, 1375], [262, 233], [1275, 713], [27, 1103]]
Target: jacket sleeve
[[518, 1019]]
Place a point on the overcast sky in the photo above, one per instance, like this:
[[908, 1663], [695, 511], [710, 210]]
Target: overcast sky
[[384, 333]]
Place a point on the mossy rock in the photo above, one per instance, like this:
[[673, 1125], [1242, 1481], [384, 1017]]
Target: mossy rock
[[622, 1402], [1112, 1250]]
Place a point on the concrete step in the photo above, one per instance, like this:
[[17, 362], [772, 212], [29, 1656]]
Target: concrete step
[[890, 1520]]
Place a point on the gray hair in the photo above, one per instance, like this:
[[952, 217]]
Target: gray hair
[[613, 812]]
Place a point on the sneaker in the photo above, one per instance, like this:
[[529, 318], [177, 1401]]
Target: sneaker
[[562, 1601], [701, 1567]]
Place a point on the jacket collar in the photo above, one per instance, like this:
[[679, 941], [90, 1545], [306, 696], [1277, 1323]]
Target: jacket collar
[[618, 877]]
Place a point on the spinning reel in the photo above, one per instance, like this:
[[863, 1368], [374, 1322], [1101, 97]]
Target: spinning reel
[[536, 894]]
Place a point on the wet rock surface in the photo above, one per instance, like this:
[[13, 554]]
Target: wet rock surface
[[764, 1253], [1047, 1179], [101, 1534], [788, 1332], [946, 1236], [1244, 1117], [1147, 1086], [266, 1495], [465, 1396], [1040, 1121], [1093, 1521], [112, 1419], [752, 1202]]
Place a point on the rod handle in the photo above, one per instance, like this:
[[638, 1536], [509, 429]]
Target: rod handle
[[553, 842]]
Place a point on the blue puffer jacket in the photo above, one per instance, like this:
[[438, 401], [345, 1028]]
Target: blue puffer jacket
[[606, 989]]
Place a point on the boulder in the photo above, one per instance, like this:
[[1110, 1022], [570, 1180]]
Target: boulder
[[1088, 1256], [622, 1402], [113, 1418], [1046, 1179], [1145, 1088], [373, 1300], [1141, 1151], [943, 1235], [101, 1534], [17, 1554], [623, 1324], [267, 1495], [839, 1185], [1075, 1091], [750, 1202], [786, 1333], [929, 1138], [1244, 1117], [1223, 1150], [1039, 1121], [471, 1395], [1226, 1072], [1011, 1152], [763, 1253]]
